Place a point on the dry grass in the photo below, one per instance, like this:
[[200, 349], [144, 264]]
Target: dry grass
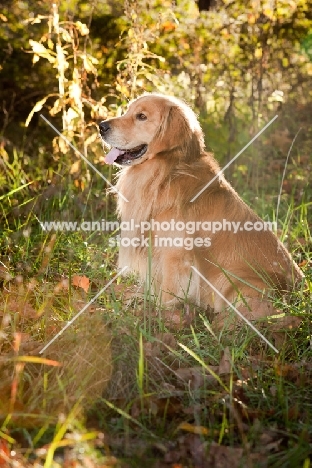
[[75, 368]]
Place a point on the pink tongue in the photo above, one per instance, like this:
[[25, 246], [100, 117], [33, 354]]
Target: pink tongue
[[112, 155]]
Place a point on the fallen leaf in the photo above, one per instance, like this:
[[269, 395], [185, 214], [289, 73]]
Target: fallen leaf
[[162, 345], [81, 282], [196, 376], [197, 449], [201, 430], [4, 453], [15, 301], [220, 456], [269, 442], [303, 263], [62, 285], [173, 318], [225, 365], [166, 339], [151, 405], [286, 370]]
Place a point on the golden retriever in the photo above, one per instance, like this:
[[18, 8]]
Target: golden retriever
[[159, 145]]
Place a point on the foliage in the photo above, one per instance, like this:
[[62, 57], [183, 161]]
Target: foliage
[[236, 63], [67, 53]]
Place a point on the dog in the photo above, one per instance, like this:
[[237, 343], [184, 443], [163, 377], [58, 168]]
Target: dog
[[170, 181]]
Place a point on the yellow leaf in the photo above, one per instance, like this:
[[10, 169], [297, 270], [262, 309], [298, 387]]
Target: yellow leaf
[[123, 89], [102, 112], [57, 107], [258, 52], [61, 61], [285, 62], [62, 144], [74, 169], [309, 69], [93, 59], [88, 65], [75, 92], [251, 18], [40, 50], [91, 139], [38, 106], [99, 111], [66, 36], [71, 115], [269, 13], [36, 58], [50, 44], [185, 426], [82, 28]]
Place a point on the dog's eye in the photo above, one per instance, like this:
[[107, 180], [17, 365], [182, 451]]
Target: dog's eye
[[141, 116]]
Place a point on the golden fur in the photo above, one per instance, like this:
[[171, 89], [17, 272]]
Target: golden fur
[[160, 185]]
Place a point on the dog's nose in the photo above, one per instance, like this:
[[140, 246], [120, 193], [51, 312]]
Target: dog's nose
[[104, 127]]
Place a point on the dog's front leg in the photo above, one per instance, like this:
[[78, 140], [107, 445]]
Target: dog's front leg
[[174, 279]]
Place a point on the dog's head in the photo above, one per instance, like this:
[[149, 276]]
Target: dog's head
[[154, 125]]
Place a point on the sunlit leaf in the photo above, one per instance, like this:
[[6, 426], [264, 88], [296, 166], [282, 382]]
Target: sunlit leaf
[[37, 107], [50, 44], [66, 36], [82, 28], [75, 92], [88, 65], [62, 145], [57, 107], [35, 59], [91, 139], [81, 281], [75, 167], [40, 50], [258, 52]]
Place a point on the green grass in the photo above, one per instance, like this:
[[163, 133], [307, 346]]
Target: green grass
[[167, 394]]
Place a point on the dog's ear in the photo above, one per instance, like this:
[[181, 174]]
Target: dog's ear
[[178, 131]]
